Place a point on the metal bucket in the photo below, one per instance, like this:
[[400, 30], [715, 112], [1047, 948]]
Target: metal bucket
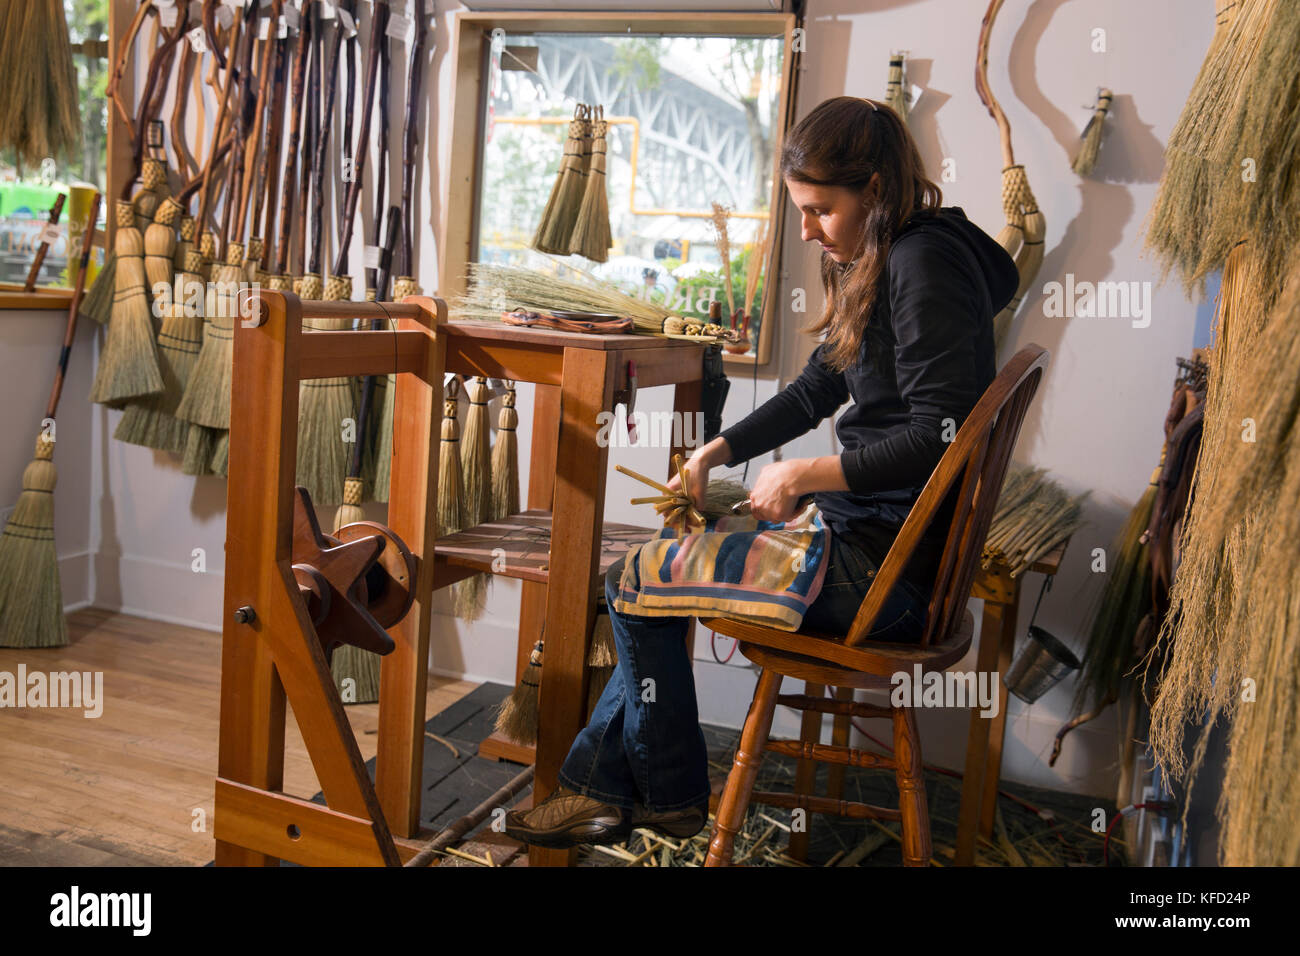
[[1039, 666]]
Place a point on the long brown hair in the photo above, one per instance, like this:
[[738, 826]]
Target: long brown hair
[[844, 142]]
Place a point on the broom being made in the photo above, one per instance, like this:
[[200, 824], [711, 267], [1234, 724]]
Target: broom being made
[[1026, 227], [31, 599]]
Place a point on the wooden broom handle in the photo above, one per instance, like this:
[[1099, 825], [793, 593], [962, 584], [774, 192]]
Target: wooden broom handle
[[982, 83], [411, 136], [74, 309], [252, 150], [302, 53], [32, 274], [379, 24]]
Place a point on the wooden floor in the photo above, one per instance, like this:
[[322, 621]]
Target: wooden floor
[[123, 789]]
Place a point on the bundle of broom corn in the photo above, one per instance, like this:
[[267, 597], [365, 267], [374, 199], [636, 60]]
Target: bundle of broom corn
[[1033, 516]]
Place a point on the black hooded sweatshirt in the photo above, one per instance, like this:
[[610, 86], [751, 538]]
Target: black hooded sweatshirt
[[927, 357]]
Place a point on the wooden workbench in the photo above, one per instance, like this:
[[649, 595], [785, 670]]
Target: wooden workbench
[[559, 547]]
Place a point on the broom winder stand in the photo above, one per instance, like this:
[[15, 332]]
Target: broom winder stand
[[273, 656]]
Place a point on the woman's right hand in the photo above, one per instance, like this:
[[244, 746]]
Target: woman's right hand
[[697, 470]]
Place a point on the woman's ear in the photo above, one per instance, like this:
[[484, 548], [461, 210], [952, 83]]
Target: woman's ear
[[872, 191]]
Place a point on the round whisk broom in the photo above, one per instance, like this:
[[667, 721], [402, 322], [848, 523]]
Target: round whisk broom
[[128, 366], [152, 422], [476, 477], [31, 599]]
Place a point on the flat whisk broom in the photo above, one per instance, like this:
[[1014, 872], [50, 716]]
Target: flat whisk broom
[[31, 599]]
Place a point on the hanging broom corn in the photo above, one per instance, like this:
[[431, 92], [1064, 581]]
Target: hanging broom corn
[[151, 421], [895, 94], [539, 291], [128, 366], [1026, 227], [517, 718], [721, 214], [451, 515], [561, 211], [1091, 140], [31, 600], [505, 459], [591, 234], [476, 478], [41, 116]]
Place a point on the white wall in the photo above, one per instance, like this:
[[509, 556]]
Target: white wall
[[1096, 423]]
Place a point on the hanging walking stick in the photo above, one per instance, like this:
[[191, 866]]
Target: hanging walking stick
[[1026, 228]]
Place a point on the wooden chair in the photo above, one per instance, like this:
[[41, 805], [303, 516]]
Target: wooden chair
[[979, 456]]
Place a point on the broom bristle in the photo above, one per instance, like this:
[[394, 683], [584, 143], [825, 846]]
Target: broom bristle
[[199, 443], [31, 599], [451, 515], [41, 115], [159, 251], [561, 209], [476, 489], [505, 460], [97, 304], [348, 661], [603, 652], [128, 366], [1086, 161], [207, 395], [517, 718], [383, 460], [591, 234], [324, 406]]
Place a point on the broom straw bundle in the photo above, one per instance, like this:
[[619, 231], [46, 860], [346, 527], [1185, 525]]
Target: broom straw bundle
[[1086, 160], [1234, 612], [128, 366], [720, 216], [31, 599], [591, 233], [505, 459], [517, 718], [325, 406], [494, 288], [41, 116], [152, 422], [476, 489], [561, 210], [451, 515]]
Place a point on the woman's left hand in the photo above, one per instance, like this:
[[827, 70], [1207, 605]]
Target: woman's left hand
[[777, 491]]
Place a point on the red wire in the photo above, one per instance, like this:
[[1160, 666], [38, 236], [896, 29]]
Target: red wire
[[1154, 805], [713, 646]]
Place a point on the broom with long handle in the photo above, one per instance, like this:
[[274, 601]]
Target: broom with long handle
[[1026, 228], [281, 278], [326, 403], [269, 185], [31, 599], [254, 158], [348, 661]]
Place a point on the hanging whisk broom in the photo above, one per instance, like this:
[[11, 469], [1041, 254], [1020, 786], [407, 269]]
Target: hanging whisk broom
[[517, 718], [1091, 140], [31, 599], [591, 234], [505, 459], [561, 211], [476, 477], [128, 366]]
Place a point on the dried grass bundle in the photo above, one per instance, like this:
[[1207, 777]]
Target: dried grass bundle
[[721, 214], [1086, 160], [128, 366], [1034, 514], [754, 265], [495, 289], [1235, 601], [41, 116]]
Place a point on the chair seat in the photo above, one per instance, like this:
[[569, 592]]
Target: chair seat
[[828, 652]]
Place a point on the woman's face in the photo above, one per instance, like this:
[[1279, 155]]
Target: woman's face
[[833, 215]]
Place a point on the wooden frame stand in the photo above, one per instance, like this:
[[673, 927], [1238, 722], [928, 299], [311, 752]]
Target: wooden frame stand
[[270, 650]]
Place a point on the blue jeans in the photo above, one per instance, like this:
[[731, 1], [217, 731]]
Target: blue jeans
[[643, 744]]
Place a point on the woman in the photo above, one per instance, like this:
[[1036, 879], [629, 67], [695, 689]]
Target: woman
[[911, 291]]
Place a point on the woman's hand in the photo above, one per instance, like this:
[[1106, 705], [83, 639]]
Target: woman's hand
[[697, 470], [781, 484]]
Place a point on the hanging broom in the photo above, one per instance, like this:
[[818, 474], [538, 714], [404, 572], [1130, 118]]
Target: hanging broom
[[325, 405], [152, 422], [591, 234], [451, 515], [1087, 159], [128, 366], [31, 599], [1026, 227], [41, 115], [505, 459], [561, 211], [895, 94], [517, 718], [476, 487]]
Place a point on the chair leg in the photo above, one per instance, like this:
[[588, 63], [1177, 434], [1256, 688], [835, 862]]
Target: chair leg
[[911, 789], [744, 770], [840, 738], [805, 773]]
